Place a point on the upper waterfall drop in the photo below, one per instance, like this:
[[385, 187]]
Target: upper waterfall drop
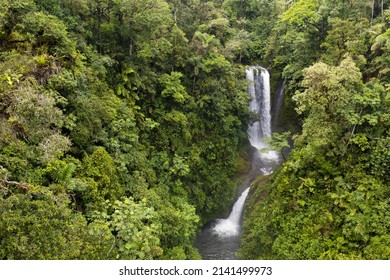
[[260, 104]]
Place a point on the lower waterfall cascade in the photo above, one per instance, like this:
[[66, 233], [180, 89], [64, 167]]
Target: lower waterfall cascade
[[231, 225], [220, 238]]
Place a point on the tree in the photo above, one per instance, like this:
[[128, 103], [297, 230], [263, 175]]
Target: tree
[[99, 173], [37, 224], [341, 41], [137, 229]]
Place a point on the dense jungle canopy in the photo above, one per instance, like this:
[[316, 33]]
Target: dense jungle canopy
[[123, 127]]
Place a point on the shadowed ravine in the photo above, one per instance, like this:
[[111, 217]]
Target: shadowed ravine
[[220, 238]]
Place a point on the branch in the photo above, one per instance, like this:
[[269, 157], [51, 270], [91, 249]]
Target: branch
[[112, 247], [352, 132], [5, 188], [18, 184]]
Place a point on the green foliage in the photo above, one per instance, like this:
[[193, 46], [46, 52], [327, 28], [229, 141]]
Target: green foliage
[[329, 200], [117, 107], [173, 87], [47, 30], [12, 12], [99, 173], [381, 47], [39, 225], [341, 41], [179, 226], [279, 141], [252, 22], [302, 14], [137, 227]]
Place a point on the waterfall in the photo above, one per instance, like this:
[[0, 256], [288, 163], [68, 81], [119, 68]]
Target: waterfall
[[220, 238], [260, 104], [231, 225]]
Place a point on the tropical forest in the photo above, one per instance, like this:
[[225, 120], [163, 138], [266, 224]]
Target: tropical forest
[[127, 129]]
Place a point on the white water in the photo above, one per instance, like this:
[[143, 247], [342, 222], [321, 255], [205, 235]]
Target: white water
[[261, 105], [220, 238], [231, 225], [259, 91]]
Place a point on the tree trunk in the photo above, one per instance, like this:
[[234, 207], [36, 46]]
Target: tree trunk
[[382, 8], [131, 48]]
